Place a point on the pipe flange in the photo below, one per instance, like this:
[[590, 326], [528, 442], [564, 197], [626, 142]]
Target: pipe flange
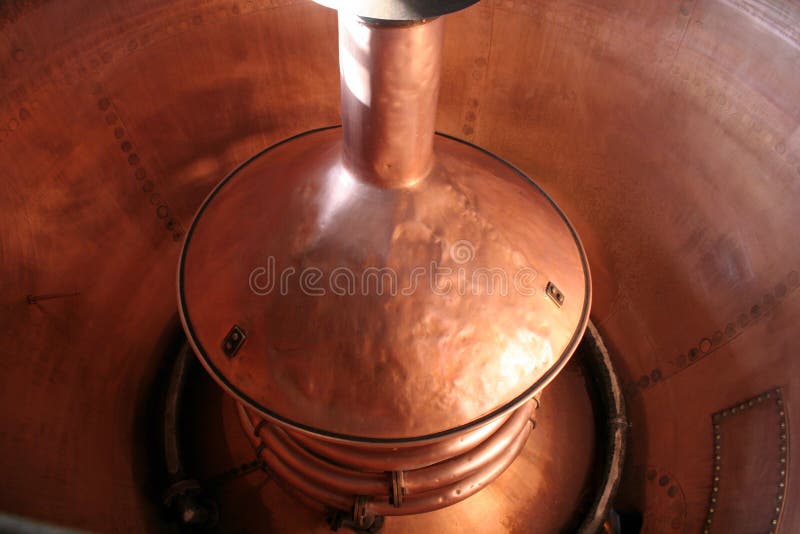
[[398, 488]]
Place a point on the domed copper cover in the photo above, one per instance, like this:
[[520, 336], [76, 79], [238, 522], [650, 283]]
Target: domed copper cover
[[382, 310]]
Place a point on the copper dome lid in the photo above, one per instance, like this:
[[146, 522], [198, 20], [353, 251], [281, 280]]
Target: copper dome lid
[[376, 283]]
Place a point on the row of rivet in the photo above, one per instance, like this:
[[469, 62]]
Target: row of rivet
[[781, 489], [721, 337]]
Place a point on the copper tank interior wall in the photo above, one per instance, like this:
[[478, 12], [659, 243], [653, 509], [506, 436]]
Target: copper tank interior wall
[[667, 131]]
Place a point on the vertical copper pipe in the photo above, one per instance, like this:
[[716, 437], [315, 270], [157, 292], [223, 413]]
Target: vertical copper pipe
[[390, 88]]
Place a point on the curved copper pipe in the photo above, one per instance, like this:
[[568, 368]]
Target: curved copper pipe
[[247, 424], [324, 473], [284, 473], [417, 481], [311, 467], [424, 502], [314, 491], [331, 484], [447, 496], [381, 459], [451, 471]]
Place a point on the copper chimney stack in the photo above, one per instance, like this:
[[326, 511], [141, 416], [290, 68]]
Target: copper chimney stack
[[390, 87], [385, 304]]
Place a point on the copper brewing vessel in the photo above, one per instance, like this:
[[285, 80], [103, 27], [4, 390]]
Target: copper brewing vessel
[[382, 193], [383, 287]]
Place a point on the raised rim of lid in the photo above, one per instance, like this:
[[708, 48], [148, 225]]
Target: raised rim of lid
[[540, 383]]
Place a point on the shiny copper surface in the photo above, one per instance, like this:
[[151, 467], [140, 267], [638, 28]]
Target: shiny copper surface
[[405, 358], [666, 131], [382, 366], [390, 88]]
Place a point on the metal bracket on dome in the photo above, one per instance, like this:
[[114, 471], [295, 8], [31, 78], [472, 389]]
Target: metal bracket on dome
[[233, 341], [397, 10], [555, 294]]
